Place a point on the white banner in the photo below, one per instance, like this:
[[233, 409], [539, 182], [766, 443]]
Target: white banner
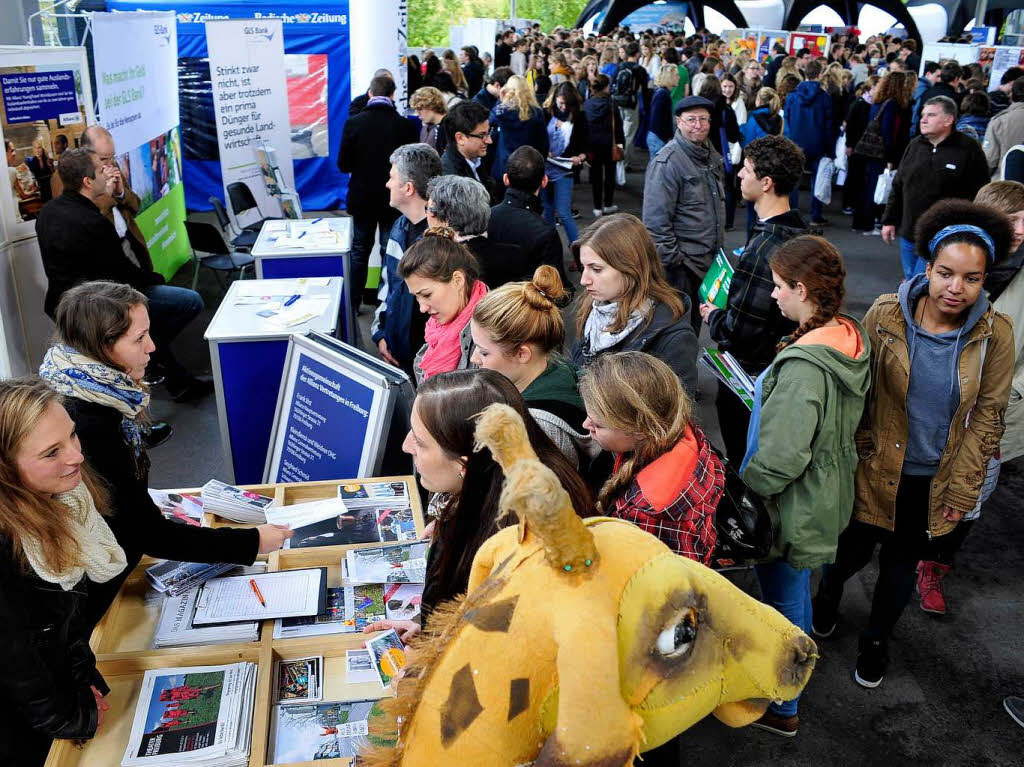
[[378, 41], [250, 101], [136, 56]]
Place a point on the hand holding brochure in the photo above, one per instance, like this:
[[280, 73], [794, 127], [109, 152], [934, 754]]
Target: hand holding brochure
[[715, 288]]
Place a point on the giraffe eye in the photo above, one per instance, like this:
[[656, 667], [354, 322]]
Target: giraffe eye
[[677, 637]]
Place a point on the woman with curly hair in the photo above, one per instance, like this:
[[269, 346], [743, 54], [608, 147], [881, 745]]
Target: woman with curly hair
[[517, 120], [943, 360], [801, 456]]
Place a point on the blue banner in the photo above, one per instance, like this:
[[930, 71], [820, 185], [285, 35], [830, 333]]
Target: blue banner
[[30, 96]]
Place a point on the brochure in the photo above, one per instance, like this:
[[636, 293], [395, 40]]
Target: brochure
[[353, 607], [357, 495], [371, 524], [401, 563], [299, 681], [727, 370], [174, 578], [175, 629], [388, 654], [715, 288], [359, 667], [315, 731], [178, 507]]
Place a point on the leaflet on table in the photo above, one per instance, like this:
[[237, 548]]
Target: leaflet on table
[[315, 731], [193, 715], [402, 563], [174, 627], [373, 524], [303, 310], [298, 286], [359, 667], [715, 288], [727, 370], [178, 577], [351, 608], [282, 594], [355, 495], [178, 507]]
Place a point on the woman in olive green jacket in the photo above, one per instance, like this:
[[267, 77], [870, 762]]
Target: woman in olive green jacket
[[942, 360], [801, 454]]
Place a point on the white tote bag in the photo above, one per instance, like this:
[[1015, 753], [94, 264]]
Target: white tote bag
[[823, 180], [841, 158], [883, 186], [620, 173]]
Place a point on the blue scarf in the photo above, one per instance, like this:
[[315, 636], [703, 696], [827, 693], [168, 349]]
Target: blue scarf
[[72, 374]]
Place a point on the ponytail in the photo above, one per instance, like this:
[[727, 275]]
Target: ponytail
[[816, 263]]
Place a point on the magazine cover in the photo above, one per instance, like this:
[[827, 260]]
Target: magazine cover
[[315, 731], [405, 563], [356, 494], [183, 713], [358, 526], [388, 654], [402, 601], [395, 524]]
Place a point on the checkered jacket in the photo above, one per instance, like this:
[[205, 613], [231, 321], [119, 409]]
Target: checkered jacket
[[675, 496]]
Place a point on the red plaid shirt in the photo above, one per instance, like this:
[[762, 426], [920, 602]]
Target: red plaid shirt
[[675, 496]]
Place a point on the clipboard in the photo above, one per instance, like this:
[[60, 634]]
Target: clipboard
[[288, 594]]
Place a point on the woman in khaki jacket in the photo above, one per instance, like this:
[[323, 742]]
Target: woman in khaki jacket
[[942, 360]]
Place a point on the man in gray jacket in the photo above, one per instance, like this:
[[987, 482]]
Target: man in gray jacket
[[684, 207]]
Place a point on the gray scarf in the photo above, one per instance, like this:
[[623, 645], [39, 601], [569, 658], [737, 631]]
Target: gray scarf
[[602, 315]]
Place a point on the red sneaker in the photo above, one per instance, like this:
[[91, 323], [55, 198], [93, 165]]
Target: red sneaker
[[929, 586]]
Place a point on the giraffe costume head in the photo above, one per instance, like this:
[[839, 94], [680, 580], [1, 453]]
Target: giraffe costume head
[[581, 642]]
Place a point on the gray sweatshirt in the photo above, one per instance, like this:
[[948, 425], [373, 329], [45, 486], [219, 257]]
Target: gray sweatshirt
[[933, 393]]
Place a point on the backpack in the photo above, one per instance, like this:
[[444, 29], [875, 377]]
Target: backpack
[[624, 87]]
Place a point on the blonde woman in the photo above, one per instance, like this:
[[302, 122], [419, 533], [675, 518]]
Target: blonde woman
[[650, 60], [667, 480], [517, 121], [54, 545], [518, 331]]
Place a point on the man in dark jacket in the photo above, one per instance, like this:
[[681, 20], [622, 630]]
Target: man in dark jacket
[[941, 162], [517, 220], [684, 207], [358, 104], [503, 50], [472, 68], [999, 97], [811, 126], [469, 138], [490, 92], [778, 55], [949, 79], [367, 142], [751, 324]]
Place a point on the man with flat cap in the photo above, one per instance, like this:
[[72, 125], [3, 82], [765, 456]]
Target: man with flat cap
[[684, 201]]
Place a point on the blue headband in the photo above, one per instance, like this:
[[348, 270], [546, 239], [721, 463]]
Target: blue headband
[[946, 231]]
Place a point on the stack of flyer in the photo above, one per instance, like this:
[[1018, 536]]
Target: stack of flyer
[[727, 370], [195, 715], [178, 507], [175, 627], [404, 563], [314, 731], [359, 495], [175, 578], [353, 607], [235, 504]]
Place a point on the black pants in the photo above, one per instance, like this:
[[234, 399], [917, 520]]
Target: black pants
[[602, 178], [901, 550], [364, 232], [944, 548], [733, 421], [687, 282], [730, 198]]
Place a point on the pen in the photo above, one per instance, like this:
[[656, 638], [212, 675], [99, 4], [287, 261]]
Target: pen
[[317, 220], [301, 236], [256, 590], [292, 300]]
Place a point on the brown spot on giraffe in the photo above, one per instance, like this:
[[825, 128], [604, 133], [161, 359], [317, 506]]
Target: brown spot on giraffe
[[518, 697], [496, 616], [461, 708]]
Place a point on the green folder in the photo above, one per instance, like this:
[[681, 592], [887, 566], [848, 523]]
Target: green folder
[[715, 288]]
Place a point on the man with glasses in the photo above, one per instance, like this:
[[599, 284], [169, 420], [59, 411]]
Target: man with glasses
[[684, 208], [469, 136]]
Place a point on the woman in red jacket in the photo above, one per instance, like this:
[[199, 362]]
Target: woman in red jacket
[[667, 480]]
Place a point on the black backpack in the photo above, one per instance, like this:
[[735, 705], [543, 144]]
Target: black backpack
[[625, 86], [745, 524]]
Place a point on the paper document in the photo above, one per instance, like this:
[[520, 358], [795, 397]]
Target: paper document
[[303, 310], [715, 288], [300, 514], [288, 594]]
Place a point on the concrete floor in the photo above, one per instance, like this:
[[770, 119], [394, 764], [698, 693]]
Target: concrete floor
[[941, 702]]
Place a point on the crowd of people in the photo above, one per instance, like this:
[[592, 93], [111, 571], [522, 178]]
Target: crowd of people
[[884, 432]]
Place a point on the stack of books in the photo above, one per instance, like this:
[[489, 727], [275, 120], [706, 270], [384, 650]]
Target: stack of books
[[195, 715], [235, 504]]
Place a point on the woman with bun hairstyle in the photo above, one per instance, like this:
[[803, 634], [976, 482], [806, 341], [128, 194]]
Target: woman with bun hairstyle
[[466, 482], [97, 364], [518, 331], [627, 305], [54, 546], [943, 360], [801, 456], [667, 480], [443, 276]]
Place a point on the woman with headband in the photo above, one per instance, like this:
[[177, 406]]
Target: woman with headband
[[942, 359]]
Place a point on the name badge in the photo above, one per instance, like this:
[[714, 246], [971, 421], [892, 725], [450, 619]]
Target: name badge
[[951, 166]]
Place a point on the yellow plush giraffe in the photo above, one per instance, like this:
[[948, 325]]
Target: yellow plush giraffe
[[581, 642]]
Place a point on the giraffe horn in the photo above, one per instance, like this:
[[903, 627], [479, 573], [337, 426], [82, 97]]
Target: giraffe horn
[[533, 491]]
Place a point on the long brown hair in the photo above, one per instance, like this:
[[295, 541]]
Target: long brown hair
[[448, 404], [894, 86], [24, 513], [621, 240], [816, 263], [638, 394], [91, 317]]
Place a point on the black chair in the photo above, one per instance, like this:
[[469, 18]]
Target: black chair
[[242, 201], [216, 255], [241, 242]]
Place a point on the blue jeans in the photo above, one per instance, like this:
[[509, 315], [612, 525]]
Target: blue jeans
[[557, 198], [912, 264], [794, 196], [788, 590], [170, 310], [654, 143]]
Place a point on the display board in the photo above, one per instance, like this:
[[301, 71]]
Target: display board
[[816, 43], [996, 59], [965, 53], [334, 411], [136, 60]]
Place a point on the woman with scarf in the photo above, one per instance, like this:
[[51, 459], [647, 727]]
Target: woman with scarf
[[943, 361], [627, 304], [97, 364], [443, 276], [54, 547]]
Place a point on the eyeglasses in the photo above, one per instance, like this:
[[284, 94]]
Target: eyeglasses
[[691, 121], [482, 136]]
